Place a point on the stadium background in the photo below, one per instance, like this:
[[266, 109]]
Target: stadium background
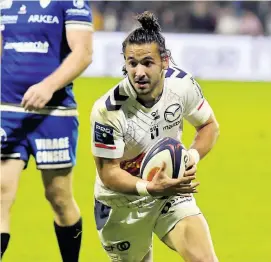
[[235, 178]]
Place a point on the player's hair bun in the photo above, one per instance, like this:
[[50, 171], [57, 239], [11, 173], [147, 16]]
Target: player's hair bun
[[149, 22]]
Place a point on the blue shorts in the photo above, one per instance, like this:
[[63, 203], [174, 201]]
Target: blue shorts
[[50, 135]]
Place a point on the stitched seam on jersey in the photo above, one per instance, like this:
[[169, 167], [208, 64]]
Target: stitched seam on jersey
[[80, 27], [78, 23]]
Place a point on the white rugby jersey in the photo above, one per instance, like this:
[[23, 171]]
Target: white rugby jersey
[[124, 128]]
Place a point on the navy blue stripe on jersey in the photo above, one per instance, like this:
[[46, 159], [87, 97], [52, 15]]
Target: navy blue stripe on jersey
[[180, 73], [117, 98], [169, 73], [101, 212]]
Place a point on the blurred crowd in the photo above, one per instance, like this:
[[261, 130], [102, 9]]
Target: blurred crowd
[[221, 17]]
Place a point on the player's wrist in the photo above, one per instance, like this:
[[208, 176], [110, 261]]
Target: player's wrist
[[195, 154], [141, 187], [50, 84]]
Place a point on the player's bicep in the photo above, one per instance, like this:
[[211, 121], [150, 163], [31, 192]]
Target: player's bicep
[[209, 121], [81, 40], [106, 164]]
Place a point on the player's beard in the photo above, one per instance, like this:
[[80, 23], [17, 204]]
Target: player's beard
[[148, 87]]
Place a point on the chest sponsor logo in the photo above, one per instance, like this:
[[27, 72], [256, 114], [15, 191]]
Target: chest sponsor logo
[[8, 19], [46, 19], [28, 47], [172, 113]]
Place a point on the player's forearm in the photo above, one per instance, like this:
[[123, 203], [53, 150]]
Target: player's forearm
[[206, 138], [119, 180], [76, 62]]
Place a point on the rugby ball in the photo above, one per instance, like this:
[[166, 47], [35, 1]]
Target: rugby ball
[[169, 150]]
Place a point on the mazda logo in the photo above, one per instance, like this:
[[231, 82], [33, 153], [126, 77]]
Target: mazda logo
[[172, 113]]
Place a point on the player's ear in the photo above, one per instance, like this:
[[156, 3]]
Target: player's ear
[[165, 62]]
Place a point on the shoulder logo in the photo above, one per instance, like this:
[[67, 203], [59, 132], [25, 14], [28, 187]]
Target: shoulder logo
[[78, 3], [44, 3]]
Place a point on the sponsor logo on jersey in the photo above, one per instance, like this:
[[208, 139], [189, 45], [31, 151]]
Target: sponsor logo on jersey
[[74, 12], [28, 47], [122, 246], [178, 200], [22, 10], [155, 115], [78, 3], [52, 150], [173, 112], [103, 136], [9, 19], [44, 3], [168, 127], [46, 19]]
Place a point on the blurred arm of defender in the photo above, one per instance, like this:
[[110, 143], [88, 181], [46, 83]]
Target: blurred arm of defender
[[199, 113], [80, 43], [79, 33]]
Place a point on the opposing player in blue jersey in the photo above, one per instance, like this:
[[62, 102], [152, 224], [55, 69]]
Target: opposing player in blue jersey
[[45, 46]]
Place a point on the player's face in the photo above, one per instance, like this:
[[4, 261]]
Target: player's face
[[145, 68]]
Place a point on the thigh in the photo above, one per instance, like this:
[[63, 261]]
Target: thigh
[[10, 173], [54, 141], [172, 211], [57, 183], [13, 132], [191, 239], [125, 234]]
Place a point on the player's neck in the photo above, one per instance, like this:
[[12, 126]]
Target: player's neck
[[151, 99]]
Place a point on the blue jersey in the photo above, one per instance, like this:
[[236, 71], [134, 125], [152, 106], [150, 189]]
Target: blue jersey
[[35, 44]]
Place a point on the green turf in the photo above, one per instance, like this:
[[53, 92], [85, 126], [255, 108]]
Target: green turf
[[234, 193]]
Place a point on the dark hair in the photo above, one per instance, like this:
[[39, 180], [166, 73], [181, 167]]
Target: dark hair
[[148, 32]]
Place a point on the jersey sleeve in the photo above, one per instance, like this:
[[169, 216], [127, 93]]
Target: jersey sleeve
[[107, 133], [196, 108], [77, 14]]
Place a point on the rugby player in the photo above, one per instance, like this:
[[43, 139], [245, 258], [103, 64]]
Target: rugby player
[[148, 104]]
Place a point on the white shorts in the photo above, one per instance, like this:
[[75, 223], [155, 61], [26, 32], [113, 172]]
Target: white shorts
[[126, 233]]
